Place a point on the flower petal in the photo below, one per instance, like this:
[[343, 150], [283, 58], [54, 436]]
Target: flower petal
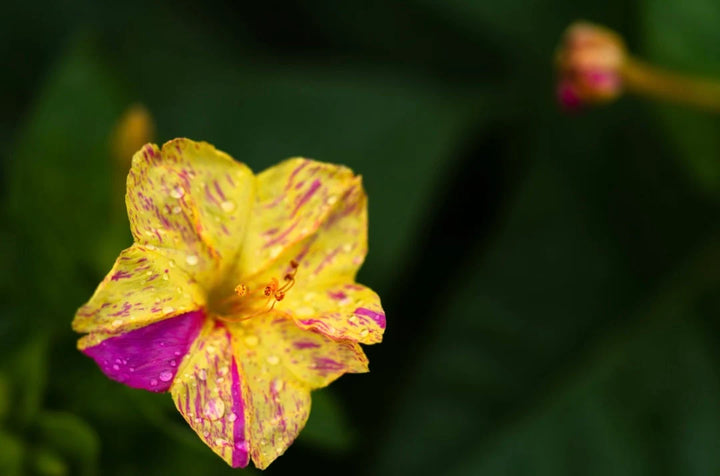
[[148, 357], [143, 287], [208, 393], [280, 363], [294, 198], [341, 311], [192, 203], [325, 296]]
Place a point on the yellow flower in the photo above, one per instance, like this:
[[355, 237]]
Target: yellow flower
[[238, 295]]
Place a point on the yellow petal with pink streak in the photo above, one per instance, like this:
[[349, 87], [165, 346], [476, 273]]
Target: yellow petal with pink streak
[[207, 391], [191, 202], [143, 287], [279, 365], [325, 296]]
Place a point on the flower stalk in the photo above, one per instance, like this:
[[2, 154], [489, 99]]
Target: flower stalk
[[594, 66]]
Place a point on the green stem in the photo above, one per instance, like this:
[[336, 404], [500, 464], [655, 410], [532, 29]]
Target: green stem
[[643, 78]]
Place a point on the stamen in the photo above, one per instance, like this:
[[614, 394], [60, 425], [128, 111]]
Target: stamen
[[273, 291]]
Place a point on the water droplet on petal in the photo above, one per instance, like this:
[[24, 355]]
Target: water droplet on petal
[[176, 209], [214, 409], [202, 374], [232, 417], [173, 363], [168, 309], [166, 376], [177, 192], [227, 206], [116, 367], [153, 382], [273, 359], [192, 260]]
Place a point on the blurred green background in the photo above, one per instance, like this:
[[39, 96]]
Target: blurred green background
[[551, 280]]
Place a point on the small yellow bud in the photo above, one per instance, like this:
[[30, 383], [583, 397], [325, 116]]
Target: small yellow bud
[[134, 129]]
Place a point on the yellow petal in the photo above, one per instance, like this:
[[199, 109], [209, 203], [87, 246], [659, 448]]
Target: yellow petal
[[338, 310], [143, 287], [279, 364], [294, 198], [325, 296], [191, 202], [207, 392]]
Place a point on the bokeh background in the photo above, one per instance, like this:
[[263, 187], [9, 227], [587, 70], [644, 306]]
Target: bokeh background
[[551, 280]]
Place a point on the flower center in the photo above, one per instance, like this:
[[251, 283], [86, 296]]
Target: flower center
[[247, 302]]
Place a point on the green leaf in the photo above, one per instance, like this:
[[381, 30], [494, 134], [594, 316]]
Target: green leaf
[[12, 452], [557, 299], [684, 36], [26, 371], [71, 438], [62, 157], [328, 427], [46, 462]]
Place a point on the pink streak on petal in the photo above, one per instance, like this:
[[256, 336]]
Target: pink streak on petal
[[240, 445], [141, 358], [375, 316], [310, 192]]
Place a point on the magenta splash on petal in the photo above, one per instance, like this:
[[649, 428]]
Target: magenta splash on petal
[[240, 456], [378, 317], [148, 357]]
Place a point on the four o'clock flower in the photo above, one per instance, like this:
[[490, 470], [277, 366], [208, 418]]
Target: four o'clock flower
[[238, 295]]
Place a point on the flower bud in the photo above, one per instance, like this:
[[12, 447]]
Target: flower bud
[[589, 62], [134, 129]]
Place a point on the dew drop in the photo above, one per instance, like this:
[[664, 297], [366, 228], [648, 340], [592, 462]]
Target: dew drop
[[277, 385], [214, 409], [331, 199], [168, 309], [116, 367], [177, 192], [364, 332], [192, 260], [251, 340], [272, 359], [153, 382], [202, 374], [227, 206], [176, 209], [173, 363], [232, 417], [222, 370], [132, 369], [177, 353], [165, 277], [165, 376]]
